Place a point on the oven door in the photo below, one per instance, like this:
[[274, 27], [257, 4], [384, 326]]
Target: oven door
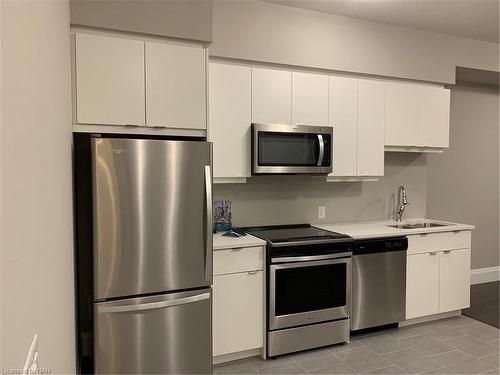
[[309, 292], [291, 149]]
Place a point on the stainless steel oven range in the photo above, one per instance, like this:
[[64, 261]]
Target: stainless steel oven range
[[308, 277]]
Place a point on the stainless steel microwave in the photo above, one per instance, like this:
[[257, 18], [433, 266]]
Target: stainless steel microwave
[[291, 149]]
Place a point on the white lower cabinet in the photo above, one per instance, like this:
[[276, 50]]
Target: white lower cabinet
[[437, 281], [454, 280], [238, 312], [422, 285]]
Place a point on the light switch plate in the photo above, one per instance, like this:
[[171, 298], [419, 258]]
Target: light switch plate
[[321, 212]]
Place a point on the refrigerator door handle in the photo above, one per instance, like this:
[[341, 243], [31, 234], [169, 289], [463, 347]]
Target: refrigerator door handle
[[209, 228], [152, 305]]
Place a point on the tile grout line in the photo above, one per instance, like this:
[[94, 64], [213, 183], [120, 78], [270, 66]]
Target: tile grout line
[[298, 364], [367, 372], [345, 364]]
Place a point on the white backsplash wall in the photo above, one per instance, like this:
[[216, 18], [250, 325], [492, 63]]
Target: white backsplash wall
[[266, 200]]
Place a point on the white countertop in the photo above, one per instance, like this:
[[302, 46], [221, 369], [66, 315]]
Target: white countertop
[[223, 242], [380, 228], [370, 229]]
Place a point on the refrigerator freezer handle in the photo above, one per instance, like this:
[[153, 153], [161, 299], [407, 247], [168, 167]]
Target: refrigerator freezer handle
[[152, 305], [209, 228]]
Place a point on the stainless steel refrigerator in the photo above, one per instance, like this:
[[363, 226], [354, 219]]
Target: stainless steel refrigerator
[[152, 255]]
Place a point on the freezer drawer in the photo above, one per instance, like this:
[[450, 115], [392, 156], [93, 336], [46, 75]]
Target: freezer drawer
[[152, 216], [168, 334]]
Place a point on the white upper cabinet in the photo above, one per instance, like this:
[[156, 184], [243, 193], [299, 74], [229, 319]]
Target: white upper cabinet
[[358, 118], [175, 86], [229, 119], [309, 99], [371, 124], [434, 117], [401, 115], [109, 77], [417, 116], [271, 96], [343, 115]]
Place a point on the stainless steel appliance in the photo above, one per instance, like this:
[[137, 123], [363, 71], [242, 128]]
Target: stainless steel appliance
[[308, 280], [291, 149], [378, 282], [151, 245]]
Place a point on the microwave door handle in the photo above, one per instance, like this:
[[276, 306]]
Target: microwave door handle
[[321, 150]]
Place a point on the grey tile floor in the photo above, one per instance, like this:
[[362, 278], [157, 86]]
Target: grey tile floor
[[459, 345]]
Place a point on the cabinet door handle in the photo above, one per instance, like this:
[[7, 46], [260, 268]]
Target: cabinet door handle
[[433, 253], [252, 272], [447, 251]]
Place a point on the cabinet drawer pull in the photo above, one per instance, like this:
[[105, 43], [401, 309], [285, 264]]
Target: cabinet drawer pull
[[447, 251], [252, 272], [237, 249], [433, 253]]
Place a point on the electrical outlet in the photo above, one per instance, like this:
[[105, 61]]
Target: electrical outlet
[[321, 212]]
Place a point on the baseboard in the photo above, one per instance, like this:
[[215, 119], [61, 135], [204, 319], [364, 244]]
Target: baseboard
[[484, 275], [236, 356], [430, 318]]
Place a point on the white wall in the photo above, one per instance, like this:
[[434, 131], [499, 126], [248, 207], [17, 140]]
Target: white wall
[[36, 198], [177, 19], [463, 182], [259, 31], [266, 200]]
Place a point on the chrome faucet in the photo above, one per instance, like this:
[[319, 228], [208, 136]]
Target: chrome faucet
[[402, 202]]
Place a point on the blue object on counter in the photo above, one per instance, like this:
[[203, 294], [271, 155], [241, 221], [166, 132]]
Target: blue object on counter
[[221, 227], [235, 232]]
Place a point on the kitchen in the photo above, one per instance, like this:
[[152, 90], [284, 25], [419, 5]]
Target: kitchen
[[399, 111]]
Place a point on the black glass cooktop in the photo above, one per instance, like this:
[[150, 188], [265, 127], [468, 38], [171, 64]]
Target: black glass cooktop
[[295, 233]]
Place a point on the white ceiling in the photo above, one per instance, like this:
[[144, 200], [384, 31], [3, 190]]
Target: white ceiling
[[476, 19]]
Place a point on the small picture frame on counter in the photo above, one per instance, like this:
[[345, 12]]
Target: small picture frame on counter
[[222, 215]]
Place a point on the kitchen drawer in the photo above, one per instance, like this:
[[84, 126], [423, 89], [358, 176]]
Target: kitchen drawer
[[429, 242], [238, 260]]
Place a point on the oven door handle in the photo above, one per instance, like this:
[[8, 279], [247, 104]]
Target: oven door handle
[[321, 150], [310, 258]]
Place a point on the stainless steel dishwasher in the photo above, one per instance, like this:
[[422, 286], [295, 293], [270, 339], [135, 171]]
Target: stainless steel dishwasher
[[378, 282]]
